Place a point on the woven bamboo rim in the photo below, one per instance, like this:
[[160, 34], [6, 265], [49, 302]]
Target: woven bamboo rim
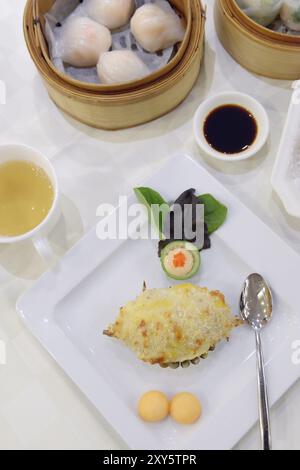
[[257, 31], [40, 7], [137, 94]]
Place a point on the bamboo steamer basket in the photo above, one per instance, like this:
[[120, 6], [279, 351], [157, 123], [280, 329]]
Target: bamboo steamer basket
[[258, 49], [41, 7], [123, 109]]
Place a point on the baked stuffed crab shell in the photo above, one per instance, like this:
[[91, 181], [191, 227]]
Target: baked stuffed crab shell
[[174, 327]]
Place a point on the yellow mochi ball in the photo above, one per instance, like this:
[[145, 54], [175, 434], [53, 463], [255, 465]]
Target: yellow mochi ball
[[153, 406], [185, 408]]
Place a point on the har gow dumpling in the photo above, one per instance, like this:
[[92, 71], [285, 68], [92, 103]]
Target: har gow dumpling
[[111, 13], [263, 12], [122, 66], [290, 14], [156, 26], [83, 41]]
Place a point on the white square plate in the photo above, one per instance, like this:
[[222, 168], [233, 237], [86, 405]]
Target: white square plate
[[69, 306]]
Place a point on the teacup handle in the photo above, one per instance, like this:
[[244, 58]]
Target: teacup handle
[[45, 250]]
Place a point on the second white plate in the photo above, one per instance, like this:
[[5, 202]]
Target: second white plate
[[286, 171]]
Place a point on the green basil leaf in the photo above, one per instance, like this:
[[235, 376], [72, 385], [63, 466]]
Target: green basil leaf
[[215, 213], [156, 205]]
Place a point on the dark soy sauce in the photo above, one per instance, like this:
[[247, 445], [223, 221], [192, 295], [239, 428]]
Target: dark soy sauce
[[230, 129]]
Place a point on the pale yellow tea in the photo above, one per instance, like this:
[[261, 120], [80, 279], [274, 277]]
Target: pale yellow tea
[[26, 197]]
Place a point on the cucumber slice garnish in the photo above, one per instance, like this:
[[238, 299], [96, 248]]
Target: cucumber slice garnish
[[180, 260]]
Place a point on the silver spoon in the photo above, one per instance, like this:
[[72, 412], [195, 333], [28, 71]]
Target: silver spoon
[[256, 308]]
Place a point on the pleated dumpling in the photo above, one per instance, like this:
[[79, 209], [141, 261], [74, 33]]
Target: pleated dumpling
[[111, 13], [156, 26], [83, 40], [263, 12], [116, 67], [290, 14]]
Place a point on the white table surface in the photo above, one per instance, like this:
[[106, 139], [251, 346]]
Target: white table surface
[[39, 406]]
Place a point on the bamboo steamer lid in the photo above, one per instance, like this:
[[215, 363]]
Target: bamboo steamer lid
[[258, 49]]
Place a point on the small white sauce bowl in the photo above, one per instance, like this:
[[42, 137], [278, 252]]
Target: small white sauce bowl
[[239, 99]]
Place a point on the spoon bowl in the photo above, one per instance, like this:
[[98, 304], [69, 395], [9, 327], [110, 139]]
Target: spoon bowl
[[256, 303]]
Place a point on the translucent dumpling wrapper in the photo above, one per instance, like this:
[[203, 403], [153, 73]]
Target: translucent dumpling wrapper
[[116, 67], [111, 13], [63, 10], [263, 12], [290, 14], [83, 40], [156, 26], [169, 326]]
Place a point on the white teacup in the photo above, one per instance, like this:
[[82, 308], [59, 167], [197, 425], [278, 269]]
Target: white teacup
[[38, 235]]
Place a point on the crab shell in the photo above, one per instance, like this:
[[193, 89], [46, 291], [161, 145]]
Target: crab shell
[[175, 326]]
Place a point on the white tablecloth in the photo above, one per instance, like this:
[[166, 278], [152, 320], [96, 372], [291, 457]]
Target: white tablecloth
[[39, 406]]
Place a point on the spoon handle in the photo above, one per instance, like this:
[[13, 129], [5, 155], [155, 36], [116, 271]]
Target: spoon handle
[[264, 414]]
